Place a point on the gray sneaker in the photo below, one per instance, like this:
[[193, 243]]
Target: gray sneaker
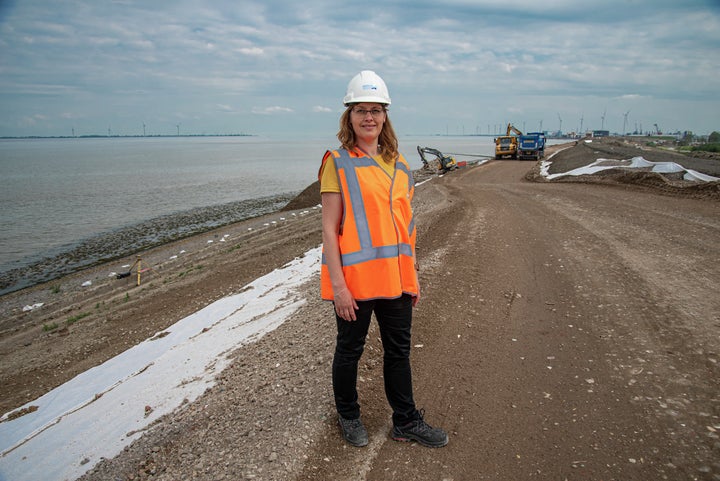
[[421, 432], [353, 431]]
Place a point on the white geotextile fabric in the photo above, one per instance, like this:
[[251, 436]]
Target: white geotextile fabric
[[634, 163]]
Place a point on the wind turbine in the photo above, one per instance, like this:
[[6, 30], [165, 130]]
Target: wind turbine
[[625, 120], [560, 129], [602, 126]]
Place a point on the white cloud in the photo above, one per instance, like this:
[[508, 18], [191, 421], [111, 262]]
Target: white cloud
[[271, 110], [458, 60], [32, 120], [253, 51]]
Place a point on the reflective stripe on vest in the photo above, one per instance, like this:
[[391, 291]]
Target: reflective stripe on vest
[[358, 251], [368, 252]]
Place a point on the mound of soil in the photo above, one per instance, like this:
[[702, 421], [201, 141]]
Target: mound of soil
[[306, 199], [584, 153]]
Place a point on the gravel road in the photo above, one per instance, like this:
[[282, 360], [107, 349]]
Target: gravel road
[[567, 330]]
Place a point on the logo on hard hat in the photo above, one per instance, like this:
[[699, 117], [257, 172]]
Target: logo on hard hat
[[369, 87]]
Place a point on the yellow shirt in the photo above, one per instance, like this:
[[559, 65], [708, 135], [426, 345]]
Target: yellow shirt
[[329, 178]]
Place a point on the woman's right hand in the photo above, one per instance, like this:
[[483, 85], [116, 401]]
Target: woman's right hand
[[345, 305], [332, 213]]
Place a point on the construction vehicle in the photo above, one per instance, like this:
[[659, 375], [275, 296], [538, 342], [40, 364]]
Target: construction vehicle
[[440, 164], [507, 145], [531, 146]]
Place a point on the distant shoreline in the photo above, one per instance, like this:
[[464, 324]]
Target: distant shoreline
[[447, 135], [130, 239], [32, 137]]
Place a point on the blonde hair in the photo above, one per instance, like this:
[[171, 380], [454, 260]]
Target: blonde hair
[[387, 142]]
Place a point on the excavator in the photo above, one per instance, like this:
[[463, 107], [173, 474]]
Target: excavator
[[440, 164], [507, 145]]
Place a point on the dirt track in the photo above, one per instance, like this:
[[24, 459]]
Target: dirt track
[[566, 331]]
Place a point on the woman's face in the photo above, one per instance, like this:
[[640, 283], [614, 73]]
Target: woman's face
[[367, 120]]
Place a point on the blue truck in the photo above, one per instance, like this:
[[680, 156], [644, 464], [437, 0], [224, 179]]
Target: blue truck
[[531, 146]]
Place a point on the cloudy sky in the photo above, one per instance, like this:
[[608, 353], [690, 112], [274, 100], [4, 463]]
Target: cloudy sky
[[280, 68]]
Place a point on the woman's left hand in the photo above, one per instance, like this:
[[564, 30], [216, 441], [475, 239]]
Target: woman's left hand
[[416, 299], [345, 305]]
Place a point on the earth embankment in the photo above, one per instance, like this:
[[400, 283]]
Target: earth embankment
[[566, 331]]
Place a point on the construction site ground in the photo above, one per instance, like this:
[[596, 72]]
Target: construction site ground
[[568, 330]]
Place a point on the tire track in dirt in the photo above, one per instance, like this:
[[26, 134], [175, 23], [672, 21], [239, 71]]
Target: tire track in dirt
[[554, 346], [542, 347]]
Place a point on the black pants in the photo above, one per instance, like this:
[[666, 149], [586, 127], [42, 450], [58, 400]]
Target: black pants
[[394, 318]]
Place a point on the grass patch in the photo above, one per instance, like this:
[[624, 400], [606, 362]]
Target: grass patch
[[193, 268], [55, 289], [49, 327], [707, 148], [72, 320]]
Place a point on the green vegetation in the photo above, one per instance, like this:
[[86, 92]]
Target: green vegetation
[[712, 145], [193, 268], [707, 147], [691, 142], [72, 320], [50, 327], [55, 288], [687, 139], [68, 322]]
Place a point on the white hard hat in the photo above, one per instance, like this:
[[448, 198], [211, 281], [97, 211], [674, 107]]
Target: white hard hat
[[367, 86]]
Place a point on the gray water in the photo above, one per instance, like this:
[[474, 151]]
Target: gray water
[[69, 203]]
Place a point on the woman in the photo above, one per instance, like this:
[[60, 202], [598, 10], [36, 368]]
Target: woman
[[369, 259]]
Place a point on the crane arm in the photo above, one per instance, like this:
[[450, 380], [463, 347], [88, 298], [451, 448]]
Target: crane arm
[[511, 128]]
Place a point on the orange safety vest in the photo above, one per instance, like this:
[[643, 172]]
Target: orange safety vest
[[377, 231]]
